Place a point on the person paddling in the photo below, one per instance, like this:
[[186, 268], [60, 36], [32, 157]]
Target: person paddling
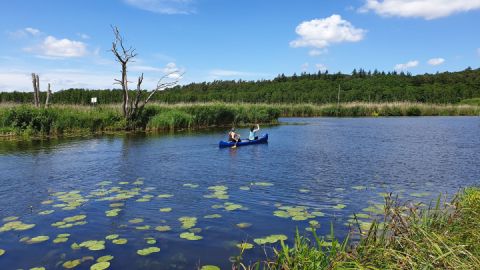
[[253, 133], [233, 137]]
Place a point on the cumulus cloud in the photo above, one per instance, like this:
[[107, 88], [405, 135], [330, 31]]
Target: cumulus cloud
[[321, 67], [427, 9], [164, 6], [61, 48], [436, 61], [406, 66], [321, 33]]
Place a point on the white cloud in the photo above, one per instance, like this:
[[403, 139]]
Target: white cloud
[[164, 6], [404, 67], [321, 67], [53, 48], [427, 9], [316, 52], [144, 68], [32, 31], [436, 61], [321, 33], [25, 32]]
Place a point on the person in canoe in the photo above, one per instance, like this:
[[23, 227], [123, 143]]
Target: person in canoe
[[233, 136], [253, 133]]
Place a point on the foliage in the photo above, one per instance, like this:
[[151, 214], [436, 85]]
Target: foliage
[[441, 236], [319, 88]]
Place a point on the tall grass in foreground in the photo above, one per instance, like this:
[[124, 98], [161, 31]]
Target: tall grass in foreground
[[441, 236]]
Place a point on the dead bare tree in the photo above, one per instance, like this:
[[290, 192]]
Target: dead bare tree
[[47, 100], [36, 89], [133, 107]]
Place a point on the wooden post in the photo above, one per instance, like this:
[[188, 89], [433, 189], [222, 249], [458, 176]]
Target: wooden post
[[49, 92], [34, 82], [38, 90]]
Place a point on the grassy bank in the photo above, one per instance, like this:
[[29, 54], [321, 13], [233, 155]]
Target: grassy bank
[[58, 120], [442, 236]]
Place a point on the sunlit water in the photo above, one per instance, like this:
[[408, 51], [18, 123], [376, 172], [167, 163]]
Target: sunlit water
[[321, 164]]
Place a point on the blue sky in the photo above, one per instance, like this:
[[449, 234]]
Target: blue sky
[[68, 42]]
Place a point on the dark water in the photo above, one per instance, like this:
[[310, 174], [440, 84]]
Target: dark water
[[417, 158]]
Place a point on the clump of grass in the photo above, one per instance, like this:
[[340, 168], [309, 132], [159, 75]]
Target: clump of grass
[[440, 236]]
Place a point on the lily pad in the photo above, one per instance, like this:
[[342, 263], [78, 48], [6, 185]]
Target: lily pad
[[119, 241], [111, 236], [16, 226], [2, 251], [38, 239], [190, 236], [71, 264], [37, 268], [164, 196], [280, 213], [166, 209], [136, 220], [151, 241], [163, 228], [213, 216], [46, 212], [60, 240], [11, 218], [148, 251], [263, 184], [93, 245], [105, 258], [188, 222], [100, 266], [246, 188], [271, 239], [210, 267], [190, 185], [143, 228], [339, 206]]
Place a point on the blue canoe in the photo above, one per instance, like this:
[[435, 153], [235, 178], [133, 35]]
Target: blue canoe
[[263, 139]]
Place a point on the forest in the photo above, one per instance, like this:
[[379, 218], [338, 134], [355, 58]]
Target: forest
[[317, 88]]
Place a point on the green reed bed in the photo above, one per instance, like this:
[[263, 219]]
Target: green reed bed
[[65, 119], [444, 235], [361, 109], [29, 121]]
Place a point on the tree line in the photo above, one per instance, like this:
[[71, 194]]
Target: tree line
[[318, 88]]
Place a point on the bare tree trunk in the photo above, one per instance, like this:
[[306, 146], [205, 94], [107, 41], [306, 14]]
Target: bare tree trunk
[[35, 92], [48, 96], [125, 89], [38, 90]]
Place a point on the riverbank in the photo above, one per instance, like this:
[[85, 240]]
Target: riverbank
[[442, 236], [70, 120]]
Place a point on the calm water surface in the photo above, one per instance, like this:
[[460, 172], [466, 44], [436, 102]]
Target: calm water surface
[[320, 164]]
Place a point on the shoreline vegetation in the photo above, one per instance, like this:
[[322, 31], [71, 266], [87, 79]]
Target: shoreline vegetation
[[26, 121], [443, 235]]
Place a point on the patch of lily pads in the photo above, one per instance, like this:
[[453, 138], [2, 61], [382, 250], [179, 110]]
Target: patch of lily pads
[[271, 239], [217, 192], [148, 251]]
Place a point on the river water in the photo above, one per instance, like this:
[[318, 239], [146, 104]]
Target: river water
[[325, 169]]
